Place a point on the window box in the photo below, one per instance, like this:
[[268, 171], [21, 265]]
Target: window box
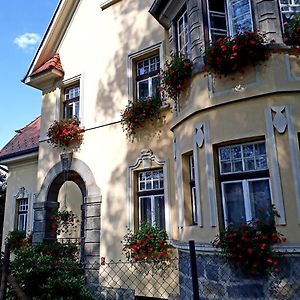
[[138, 112], [229, 55], [66, 134]]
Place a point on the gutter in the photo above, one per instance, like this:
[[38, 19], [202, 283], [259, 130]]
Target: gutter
[[17, 156]]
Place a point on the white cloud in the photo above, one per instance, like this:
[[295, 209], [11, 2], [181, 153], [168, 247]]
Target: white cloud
[[27, 40]]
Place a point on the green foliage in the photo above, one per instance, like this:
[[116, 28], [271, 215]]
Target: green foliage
[[17, 239], [149, 244], [249, 246], [229, 55], [175, 77], [138, 112], [292, 31], [64, 221], [50, 271]]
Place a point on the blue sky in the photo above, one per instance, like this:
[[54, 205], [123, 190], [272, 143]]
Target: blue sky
[[22, 25]]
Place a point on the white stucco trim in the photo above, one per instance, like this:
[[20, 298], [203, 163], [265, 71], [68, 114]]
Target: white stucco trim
[[294, 150], [146, 159], [290, 76], [210, 175], [274, 167], [198, 142]]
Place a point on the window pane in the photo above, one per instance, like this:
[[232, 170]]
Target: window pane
[[217, 5], [236, 152], [241, 15], [249, 164], [237, 166], [226, 167], [234, 202], [145, 208], [143, 89], [260, 197], [224, 153], [248, 150], [159, 211], [194, 206]]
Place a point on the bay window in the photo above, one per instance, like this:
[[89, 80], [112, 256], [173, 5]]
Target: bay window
[[228, 17], [245, 184], [151, 197]]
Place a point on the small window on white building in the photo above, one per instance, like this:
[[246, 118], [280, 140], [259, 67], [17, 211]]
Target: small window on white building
[[22, 214], [245, 183], [71, 101], [228, 17], [147, 77], [151, 200]]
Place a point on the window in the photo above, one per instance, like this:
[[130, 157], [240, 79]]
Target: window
[[289, 8], [147, 77], [244, 178], [22, 214], [71, 101], [183, 38], [228, 17], [151, 197], [193, 190]]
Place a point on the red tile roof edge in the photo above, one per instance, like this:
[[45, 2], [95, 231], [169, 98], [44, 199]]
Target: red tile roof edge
[[25, 141], [53, 63]]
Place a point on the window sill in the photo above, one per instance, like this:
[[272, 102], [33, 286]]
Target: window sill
[[108, 3]]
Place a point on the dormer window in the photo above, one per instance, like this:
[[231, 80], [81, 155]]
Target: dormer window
[[183, 38], [228, 17], [71, 101]]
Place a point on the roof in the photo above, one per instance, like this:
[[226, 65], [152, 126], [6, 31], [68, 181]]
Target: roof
[[25, 141], [53, 63]]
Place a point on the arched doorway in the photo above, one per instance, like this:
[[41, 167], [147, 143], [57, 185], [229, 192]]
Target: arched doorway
[[47, 201]]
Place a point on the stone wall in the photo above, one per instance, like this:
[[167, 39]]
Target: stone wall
[[219, 281]]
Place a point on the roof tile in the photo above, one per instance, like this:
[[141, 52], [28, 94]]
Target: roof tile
[[26, 139], [52, 63]]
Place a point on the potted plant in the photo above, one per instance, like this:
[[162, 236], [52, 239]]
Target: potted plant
[[136, 114], [249, 246], [66, 134], [229, 55], [292, 31], [148, 245], [175, 77]]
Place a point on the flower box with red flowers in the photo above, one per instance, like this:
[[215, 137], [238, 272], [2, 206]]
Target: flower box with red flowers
[[149, 245], [229, 55], [249, 246], [292, 31], [136, 114], [175, 77], [66, 133]]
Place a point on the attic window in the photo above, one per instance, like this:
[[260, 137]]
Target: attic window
[[71, 101]]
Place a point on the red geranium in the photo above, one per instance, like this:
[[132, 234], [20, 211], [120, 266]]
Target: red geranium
[[66, 133]]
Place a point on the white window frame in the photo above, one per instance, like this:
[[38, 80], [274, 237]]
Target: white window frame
[[246, 196], [70, 93], [148, 79], [292, 4], [186, 47], [153, 195], [228, 18], [134, 57], [147, 160], [242, 158], [22, 213]]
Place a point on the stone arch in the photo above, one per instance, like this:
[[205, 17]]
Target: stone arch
[[46, 202]]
